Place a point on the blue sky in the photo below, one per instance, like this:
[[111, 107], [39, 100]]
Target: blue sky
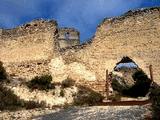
[[83, 15]]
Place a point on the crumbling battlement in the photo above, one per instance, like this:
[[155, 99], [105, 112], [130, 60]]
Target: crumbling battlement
[[25, 49], [32, 41], [29, 28]]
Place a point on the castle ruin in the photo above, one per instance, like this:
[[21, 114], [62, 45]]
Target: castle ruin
[[34, 48]]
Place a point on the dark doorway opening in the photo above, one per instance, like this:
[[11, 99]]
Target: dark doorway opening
[[128, 79]]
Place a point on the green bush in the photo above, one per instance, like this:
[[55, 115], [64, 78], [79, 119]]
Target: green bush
[[41, 82], [3, 74], [86, 96], [155, 98]]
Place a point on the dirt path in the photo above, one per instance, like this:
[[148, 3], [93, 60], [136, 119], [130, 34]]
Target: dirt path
[[79, 113], [97, 113]]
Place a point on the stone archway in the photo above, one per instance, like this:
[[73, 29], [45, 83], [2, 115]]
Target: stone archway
[[129, 79]]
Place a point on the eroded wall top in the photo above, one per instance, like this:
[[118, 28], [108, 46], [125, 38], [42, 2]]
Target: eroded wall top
[[34, 26], [135, 34], [32, 41]]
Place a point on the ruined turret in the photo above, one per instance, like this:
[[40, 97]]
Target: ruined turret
[[68, 37], [0, 33]]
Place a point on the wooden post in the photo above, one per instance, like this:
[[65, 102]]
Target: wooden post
[[151, 72], [107, 83]]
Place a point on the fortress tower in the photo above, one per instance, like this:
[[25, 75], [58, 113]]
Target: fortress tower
[[68, 37]]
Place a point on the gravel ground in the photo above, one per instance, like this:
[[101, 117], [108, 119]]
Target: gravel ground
[[97, 113], [24, 114], [79, 113]]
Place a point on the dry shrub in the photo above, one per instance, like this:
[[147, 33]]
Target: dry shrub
[[41, 83], [86, 96], [62, 93], [67, 83]]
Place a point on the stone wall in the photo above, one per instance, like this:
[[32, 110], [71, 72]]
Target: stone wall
[[28, 69], [32, 41], [135, 34], [33, 49], [22, 48]]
